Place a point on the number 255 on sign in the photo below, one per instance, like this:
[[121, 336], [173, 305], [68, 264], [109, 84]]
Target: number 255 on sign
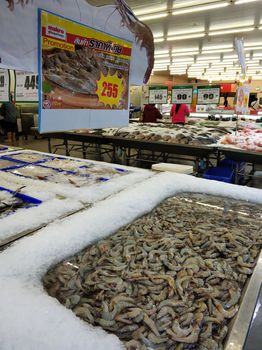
[[109, 89]]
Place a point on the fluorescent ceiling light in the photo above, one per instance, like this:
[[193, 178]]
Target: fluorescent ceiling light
[[186, 31], [230, 56], [220, 64], [200, 64], [157, 52], [161, 56], [204, 58], [147, 10], [189, 36], [200, 8], [186, 49], [260, 28], [254, 43], [177, 70], [231, 31], [217, 51], [183, 60], [186, 3], [148, 17], [162, 61], [158, 35], [159, 40], [240, 2], [183, 53], [257, 54], [159, 69], [216, 47], [253, 48], [231, 25]]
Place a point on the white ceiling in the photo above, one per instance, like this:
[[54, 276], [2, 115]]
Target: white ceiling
[[201, 25]]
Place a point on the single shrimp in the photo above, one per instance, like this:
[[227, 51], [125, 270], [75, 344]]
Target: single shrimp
[[142, 32]]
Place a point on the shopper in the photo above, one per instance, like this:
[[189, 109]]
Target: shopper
[[178, 113], [226, 102], [8, 111], [151, 114], [255, 105]]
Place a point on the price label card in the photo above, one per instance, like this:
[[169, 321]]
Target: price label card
[[182, 94], [26, 89], [4, 85], [158, 94], [208, 95], [109, 90]]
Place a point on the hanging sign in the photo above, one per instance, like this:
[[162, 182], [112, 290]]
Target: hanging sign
[[84, 70], [158, 94], [208, 94], [239, 47], [243, 93], [4, 85], [26, 87], [182, 94]]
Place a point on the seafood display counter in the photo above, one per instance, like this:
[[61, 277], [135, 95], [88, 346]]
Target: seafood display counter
[[133, 150], [36, 188], [176, 268]]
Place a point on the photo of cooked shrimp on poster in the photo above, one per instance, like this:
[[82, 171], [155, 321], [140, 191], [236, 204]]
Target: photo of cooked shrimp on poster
[[82, 68]]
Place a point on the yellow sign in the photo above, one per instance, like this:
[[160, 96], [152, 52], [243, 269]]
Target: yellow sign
[[82, 68], [109, 90]]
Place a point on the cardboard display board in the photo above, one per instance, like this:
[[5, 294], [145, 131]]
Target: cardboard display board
[[158, 94], [26, 87], [81, 70], [4, 85], [208, 94], [182, 94]]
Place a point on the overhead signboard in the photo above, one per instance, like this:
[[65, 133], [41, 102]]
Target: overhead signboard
[[26, 87], [84, 76], [182, 94], [158, 94], [208, 94], [4, 85], [243, 93]]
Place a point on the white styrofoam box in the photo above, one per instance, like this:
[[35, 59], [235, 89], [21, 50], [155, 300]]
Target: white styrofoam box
[[175, 168]]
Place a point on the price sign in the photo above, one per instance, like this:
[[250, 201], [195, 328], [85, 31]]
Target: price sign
[[208, 95], [109, 90], [4, 85], [158, 94], [182, 94], [26, 89]]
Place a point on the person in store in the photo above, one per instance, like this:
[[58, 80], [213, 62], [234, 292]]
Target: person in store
[[255, 104], [178, 113], [9, 113], [151, 114], [225, 102]]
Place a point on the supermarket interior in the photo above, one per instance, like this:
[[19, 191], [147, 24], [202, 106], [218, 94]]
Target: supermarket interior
[[130, 174]]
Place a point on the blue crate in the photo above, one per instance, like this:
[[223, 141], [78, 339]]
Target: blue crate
[[224, 174], [232, 164]]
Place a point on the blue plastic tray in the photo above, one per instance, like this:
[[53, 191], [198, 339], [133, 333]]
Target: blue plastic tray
[[25, 198], [224, 174], [9, 157], [17, 164]]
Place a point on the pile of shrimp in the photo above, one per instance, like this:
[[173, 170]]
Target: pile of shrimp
[[170, 280]]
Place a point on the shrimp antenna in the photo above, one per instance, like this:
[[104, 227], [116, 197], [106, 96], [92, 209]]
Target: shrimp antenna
[[111, 14]]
